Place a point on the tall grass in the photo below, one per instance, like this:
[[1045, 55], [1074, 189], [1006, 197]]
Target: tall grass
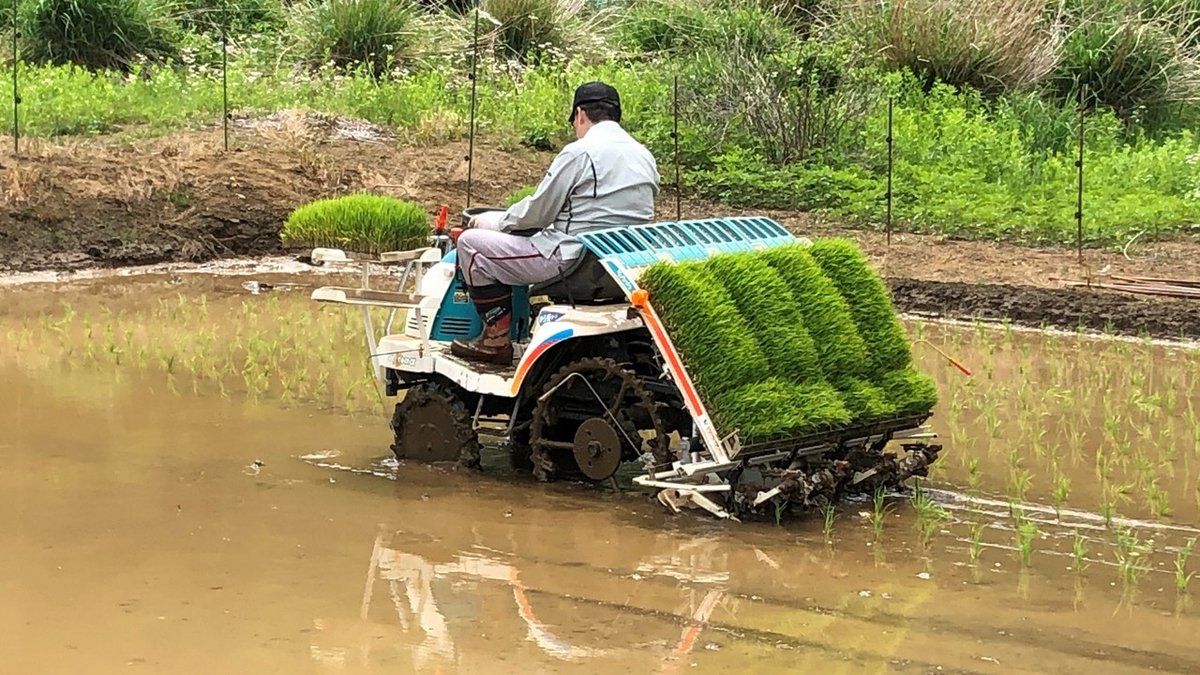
[[990, 46], [533, 30], [1131, 63], [377, 35], [98, 34]]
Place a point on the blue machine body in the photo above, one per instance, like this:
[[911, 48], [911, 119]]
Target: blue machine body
[[457, 319], [634, 247]]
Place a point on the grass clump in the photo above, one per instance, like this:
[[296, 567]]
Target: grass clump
[[990, 46], [99, 34], [870, 304], [519, 194], [534, 30], [1130, 61], [375, 35], [360, 222], [238, 17]]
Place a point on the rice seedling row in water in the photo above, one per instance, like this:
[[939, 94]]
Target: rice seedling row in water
[[360, 222], [287, 350]]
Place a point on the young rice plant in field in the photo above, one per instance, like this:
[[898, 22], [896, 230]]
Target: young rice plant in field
[[1182, 576], [360, 222]]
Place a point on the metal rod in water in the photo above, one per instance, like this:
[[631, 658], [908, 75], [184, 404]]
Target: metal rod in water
[[471, 133], [888, 194], [16, 130], [675, 135], [1079, 171]]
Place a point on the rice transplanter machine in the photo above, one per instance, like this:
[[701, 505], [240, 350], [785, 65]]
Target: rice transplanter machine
[[596, 381]]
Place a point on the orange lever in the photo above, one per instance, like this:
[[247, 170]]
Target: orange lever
[[953, 361], [442, 216]]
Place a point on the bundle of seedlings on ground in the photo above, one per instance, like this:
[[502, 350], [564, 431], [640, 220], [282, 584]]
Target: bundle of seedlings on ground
[[361, 222], [827, 316]]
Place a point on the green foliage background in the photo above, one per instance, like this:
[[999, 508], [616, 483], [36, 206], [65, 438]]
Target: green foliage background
[[783, 105]]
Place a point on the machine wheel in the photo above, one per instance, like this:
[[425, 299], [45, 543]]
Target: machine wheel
[[433, 425], [591, 417]]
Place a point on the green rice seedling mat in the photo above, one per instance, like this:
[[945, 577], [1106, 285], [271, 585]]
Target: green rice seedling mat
[[790, 341]]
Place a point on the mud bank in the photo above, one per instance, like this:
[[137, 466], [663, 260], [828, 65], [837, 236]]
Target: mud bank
[[1063, 308], [114, 203]]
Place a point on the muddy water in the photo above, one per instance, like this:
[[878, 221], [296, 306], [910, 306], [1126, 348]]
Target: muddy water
[[209, 516]]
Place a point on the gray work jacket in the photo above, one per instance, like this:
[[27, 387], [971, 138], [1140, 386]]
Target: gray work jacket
[[605, 179]]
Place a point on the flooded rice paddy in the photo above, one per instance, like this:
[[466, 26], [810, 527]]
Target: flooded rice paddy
[[196, 479]]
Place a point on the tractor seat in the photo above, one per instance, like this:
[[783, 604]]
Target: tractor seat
[[583, 282]]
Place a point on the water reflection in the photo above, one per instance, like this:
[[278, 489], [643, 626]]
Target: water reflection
[[436, 612]]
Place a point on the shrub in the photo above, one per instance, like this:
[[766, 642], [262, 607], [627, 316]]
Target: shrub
[[531, 30], [990, 46], [359, 222], [808, 102], [653, 26], [99, 34], [518, 195], [1132, 64], [376, 35], [238, 16]]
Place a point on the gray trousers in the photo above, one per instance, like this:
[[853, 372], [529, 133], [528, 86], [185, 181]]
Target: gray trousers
[[488, 257]]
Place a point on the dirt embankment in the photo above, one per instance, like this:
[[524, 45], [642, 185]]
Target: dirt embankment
[[107, 202]]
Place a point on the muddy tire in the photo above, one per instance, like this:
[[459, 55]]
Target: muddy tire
[[432, 424]]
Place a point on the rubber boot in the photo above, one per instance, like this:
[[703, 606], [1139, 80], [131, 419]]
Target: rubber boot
[[494, 345]]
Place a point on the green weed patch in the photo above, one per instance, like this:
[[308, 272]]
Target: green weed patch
[[359, 222], [788, 342]]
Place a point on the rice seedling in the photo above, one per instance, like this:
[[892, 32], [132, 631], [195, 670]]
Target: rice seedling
[[976, 540], [878, 512], [1133, 555], [360, 222], [1027, 531], [930, 514], [1182, 576], [870, 306], [1079, 551], [828, 514], [1062, 489]]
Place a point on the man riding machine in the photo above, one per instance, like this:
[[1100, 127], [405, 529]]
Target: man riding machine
[[604, 179]]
